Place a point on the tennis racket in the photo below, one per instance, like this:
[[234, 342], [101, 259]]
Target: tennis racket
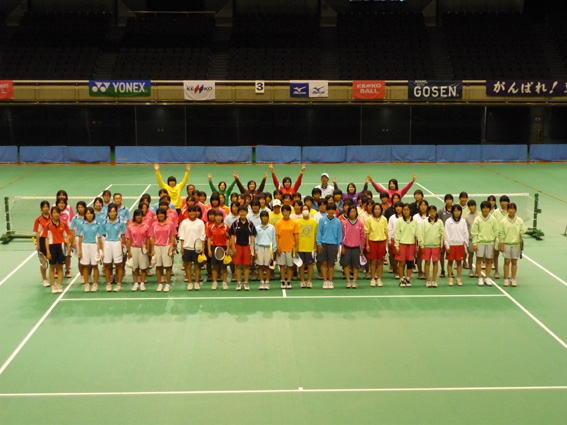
[[171, 251], [41, 257], [65, 248], [219, 253], [521, 249], [144, 249], [272, 263], [198, 246], [125, 252]]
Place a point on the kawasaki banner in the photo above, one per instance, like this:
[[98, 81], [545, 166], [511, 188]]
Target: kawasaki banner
[[435, 90], [126, 88], [199, 90]]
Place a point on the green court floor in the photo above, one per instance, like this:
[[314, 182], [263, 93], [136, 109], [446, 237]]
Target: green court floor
[[455, 355]]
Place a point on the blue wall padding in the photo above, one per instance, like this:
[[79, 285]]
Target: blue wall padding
[[278, 154], [459, 153], [137, 154], [8, 154], [504, 153], [182, 154], [42, 154], [324, 154], [369, 154], [413, 153], [548, 153], [228, 154], [87, 154]]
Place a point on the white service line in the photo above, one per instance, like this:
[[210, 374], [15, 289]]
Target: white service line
[[286, 391], [325, 297], [284, 293], [137, 201], [37, 325]]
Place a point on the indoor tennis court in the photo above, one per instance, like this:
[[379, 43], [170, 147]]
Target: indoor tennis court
[[465, 355]]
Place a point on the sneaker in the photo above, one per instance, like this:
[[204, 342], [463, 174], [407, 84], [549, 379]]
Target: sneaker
[[108, 287], [60, 289], [487, 282], [225, 286], [190, 286], [496, 275], [261, 285], [442, 275], [319, 276], [309, 285], [390, 270], [396, 276], [54, 289], [471, 273], [239, 286], [185, 279], [434, 284], [450, 281], [197, 286], [94, 288], [367, 276], [160, 287], [403, 282], [303, 284], [118, 288], [506, 282], [283, 285], [45, 283], [459, 282], [514, 284], [354, 285], [379, 283], [266, 286], [246, 286], [233, 279], [214, 286], [373, 283], [143, 287], [288, 285], [82, 279], [480, 281], [324, 284], [421, 276], [427, 284], [331, 285], [167, 287], [163, 279], [408, 282], [68, 274], [348, 285], [135, 287]]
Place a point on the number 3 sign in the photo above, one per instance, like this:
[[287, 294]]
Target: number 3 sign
[[259, 87]]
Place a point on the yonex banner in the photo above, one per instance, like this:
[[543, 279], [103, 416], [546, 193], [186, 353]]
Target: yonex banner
[[126, 88], [435, 90], [6, 89], [369, 89], [526, 88], [312, 88], [199, 90]]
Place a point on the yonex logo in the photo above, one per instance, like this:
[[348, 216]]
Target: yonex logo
[[100, 86]]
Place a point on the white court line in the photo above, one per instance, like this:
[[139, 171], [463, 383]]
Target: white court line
[[284, 293], [326, 297], [525, 310], [544, 269], [18, 268], [287, 391], [37, 325]]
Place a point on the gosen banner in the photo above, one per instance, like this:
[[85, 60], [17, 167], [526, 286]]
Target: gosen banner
[[435, 90], [6, 89], [199, 90], [369, 89], [122, 88]]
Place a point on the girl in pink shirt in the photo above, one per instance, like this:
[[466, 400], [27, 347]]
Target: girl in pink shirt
[[392, 187], [163, 238], [353, 243]]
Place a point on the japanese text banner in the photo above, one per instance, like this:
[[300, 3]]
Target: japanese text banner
[[526, 88]]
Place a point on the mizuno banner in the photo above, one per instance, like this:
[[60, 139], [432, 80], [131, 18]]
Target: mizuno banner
[[435, 90], [313, 88], [199, 90], [125, 88], [369, 89]]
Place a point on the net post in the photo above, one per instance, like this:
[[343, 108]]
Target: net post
[[534, 231], [9, 235]]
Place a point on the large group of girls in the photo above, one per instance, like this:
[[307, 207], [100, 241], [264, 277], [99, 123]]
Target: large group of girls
[[256, 230]]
